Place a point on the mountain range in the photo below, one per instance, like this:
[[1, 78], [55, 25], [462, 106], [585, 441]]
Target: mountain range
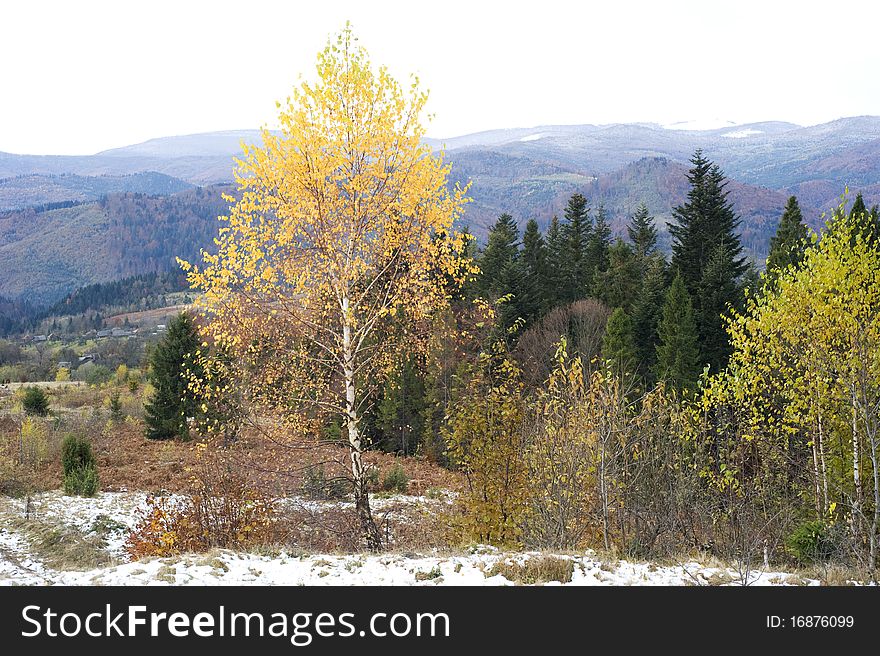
[[130, 210]]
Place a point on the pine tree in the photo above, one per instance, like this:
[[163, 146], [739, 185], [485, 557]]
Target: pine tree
[[699, 227], [642, 233], [648, 311], [788, 245], [678, 350], [172, 403], [574, 267], [618, 347]]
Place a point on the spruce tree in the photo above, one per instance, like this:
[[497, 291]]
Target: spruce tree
[[574, 266], [699, 227], [401, 410], [647, 312], [172, 403], [678, 353], [555, 254], [533, 290], [869, 222], [858, 207], [703, 222], [718, 290], [788, 245], [597, 248], [497, 259], [619, 284], [642, 233], [618, 347]]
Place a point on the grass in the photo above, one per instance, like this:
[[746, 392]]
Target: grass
[[535, 569], [62, 547], [430, 575]]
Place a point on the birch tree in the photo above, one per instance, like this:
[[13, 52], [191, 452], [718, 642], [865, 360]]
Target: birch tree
[[339, 244]]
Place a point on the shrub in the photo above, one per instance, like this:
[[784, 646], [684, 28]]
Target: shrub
[[317, 486], [93, 374], [395, 479], [35, 402], [116, 406], [811, 542], [80, 471], [221, 510]]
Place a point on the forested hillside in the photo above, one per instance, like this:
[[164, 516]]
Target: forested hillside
[[48, 254], [41, 190]]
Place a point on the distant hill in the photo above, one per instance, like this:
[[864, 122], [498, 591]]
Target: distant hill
[[36, 189], [129, 211], [771, 154], [46, 255]]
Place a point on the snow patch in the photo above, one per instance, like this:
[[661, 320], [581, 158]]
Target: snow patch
[[700, 125], [742, 134], [533, 137], [221, 567]]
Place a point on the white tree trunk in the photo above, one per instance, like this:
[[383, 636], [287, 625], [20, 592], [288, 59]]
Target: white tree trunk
[[370, 532], [857, 474]]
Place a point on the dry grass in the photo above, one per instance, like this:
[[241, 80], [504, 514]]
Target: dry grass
[[61, 547], [835, 575], [535, 569]]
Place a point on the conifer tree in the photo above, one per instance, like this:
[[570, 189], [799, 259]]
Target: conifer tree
[[555, 253], [699, 227], [618, 347], [678, 350], [858, 207], [865, 222], [497, 259], [788, 245], [598, 246], [532, 293], [574, 266], [401, 411], [647, 312], [703, 222], [619, 284], [718, 290], [172, 403], [642, 233]]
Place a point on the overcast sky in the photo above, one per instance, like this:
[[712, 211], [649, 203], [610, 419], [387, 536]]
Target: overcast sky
[[80, 77]]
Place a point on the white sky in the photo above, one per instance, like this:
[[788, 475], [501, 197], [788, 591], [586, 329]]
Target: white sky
[[79, 77]]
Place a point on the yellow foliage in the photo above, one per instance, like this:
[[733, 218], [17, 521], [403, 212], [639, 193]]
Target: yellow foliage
[[339, 245]]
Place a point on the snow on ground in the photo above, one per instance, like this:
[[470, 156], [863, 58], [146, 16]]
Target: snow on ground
[[16, 567], [533, 137], [478, 566]]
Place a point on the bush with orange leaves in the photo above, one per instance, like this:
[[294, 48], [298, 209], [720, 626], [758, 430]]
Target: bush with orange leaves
[[220, 510]]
